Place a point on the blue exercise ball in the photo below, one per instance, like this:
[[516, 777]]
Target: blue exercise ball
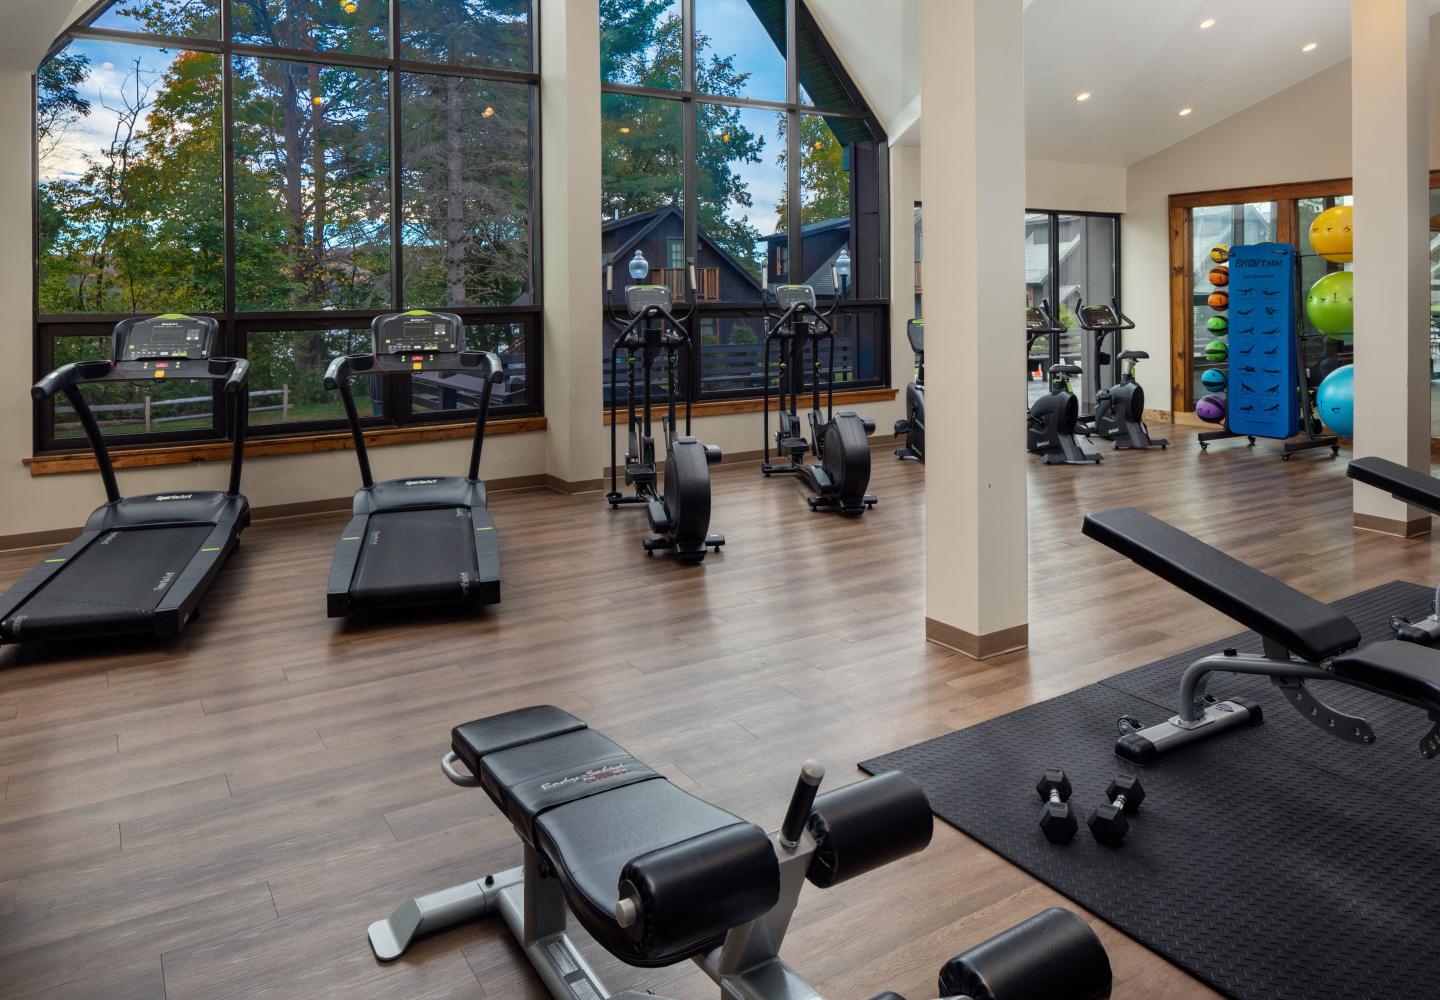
[[1213, 380], [1335, 399]]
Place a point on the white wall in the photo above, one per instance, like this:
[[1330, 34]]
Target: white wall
[[1300, 134], [1074, 187]]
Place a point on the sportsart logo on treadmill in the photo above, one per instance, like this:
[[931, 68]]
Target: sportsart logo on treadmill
[[602, 773], [165, 580], [421, 482], [174, 496]]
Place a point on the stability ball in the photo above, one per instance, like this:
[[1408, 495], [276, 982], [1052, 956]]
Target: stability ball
[[1332, 234], [1211, 409], [1217, 351], [1331, 304], [1214, 380], [1219, 301], [1335, 399]]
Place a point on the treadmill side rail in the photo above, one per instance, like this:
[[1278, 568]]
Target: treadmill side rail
[[342, 566]]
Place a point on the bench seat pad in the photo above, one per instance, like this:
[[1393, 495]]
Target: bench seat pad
[[1407, 671], [1399, 481], [1296, 621], [590, 809]]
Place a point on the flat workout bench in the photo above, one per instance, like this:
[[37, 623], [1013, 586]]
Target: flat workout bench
[[657, 875], [1303, 641]]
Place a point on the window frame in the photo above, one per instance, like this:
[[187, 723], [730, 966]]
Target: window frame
[[237, 325], [690, 98], [1052, 290]]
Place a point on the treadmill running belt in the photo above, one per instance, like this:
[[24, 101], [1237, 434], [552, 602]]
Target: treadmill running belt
[[112, 586], [416, 557]]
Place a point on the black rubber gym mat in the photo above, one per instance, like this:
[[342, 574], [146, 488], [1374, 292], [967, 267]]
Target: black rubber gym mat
[[1273, 863]]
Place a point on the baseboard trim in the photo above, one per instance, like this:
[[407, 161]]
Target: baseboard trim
[[977, 647], [571, 489], [1390, 526]]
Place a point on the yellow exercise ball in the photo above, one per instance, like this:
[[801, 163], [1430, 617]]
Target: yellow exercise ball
[[1332, 234]]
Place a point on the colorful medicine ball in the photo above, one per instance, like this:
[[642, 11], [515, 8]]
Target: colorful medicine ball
[[1220, 276], [1217, 351], [1331, 304], [1335, 401], [1219, 301], [1324, 367], [1218, 325], [1211, 409], [1220, 254], [1332, 234], [1214, 380]]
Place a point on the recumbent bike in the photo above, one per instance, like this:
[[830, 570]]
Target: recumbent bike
[[841, 440], [658, 876], [912, 428], [680, 516]]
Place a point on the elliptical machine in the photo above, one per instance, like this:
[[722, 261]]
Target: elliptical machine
[[680, 517], [1052, 420], [913, 426], [841, 441], [1119, 410]]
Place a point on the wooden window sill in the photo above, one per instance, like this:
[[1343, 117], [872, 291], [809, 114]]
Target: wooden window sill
[[302, 444], [726, 407]]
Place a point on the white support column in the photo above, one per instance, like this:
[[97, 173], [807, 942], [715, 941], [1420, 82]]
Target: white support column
[[1390, 105], [570, 189], [904, 193], [973, 189]]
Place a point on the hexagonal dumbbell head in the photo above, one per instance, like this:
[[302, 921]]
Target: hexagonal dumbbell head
[[1057, 821], [1126, 786]]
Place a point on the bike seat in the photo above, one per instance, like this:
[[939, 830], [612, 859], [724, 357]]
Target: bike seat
[[1134, 356]]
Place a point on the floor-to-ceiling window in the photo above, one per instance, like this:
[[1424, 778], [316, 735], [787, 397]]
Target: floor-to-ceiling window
[[732, 138], [293, 168], [1072, 259]]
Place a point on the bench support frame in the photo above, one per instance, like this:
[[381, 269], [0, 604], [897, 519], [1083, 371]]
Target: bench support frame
[[1201, 717]]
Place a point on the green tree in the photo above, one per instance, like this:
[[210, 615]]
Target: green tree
[[823, 177]]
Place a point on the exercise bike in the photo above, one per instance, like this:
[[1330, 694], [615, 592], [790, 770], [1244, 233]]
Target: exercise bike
[[1053, 420], [913, 426], [842, 444], [680, 516], [1119, 410]]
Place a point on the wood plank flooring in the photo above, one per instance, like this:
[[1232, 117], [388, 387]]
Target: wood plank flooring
[[223, 817]]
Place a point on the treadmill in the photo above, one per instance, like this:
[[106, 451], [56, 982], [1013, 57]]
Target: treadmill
[[428, 540], [143, 563]]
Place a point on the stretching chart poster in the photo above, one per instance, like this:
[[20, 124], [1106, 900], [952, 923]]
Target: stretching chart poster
[[1264, 398]]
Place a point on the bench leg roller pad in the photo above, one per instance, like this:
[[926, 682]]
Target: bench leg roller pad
[[1052, 956]]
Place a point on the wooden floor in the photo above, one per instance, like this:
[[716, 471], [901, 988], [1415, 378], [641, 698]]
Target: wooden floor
[[224, 817]]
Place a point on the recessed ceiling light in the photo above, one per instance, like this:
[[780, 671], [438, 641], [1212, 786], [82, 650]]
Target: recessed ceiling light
[[1084, 96], [1185, 111], [1310, 47], [1209, 22]]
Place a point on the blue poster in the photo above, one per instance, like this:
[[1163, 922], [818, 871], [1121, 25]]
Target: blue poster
[[1264, 398]]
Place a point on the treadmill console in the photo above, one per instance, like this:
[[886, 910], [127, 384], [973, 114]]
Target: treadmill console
[[789, 296], [418, 332], [642, 298], [1100, 317], [163, 338]]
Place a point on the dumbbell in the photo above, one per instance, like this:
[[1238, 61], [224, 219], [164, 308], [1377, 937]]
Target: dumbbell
[[1057, 822], [1109, 823]]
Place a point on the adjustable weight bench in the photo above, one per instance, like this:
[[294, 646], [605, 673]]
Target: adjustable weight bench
[[657, 875], [1302, 641]]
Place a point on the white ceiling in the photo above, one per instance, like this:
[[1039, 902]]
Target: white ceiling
[[31, 26], [1142, 61]]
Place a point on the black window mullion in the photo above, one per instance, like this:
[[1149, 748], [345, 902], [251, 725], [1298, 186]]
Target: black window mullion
[[231, 342]]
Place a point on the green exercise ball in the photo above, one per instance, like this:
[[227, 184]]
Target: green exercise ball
[[1331, 304], [1217, 351]]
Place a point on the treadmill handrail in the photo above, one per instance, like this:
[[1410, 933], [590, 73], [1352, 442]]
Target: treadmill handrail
[[341, 369]]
